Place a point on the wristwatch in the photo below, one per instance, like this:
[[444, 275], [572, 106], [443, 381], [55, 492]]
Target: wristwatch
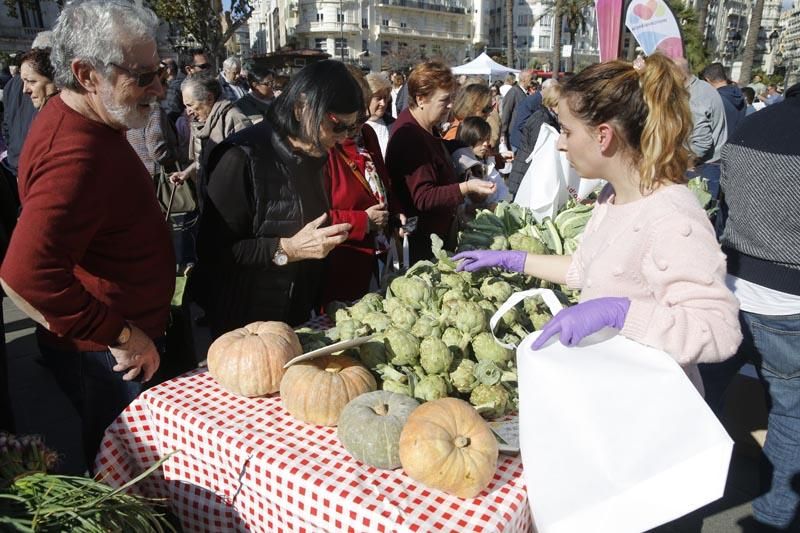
[[279, 257], [124, 336]]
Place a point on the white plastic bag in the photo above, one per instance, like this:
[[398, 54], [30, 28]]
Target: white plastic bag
[[550, 180], [614, 437]]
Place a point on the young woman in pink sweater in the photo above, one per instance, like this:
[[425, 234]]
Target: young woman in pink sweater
[[649, 263]]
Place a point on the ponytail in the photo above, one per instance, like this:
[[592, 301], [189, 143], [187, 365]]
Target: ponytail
[[647, 106]]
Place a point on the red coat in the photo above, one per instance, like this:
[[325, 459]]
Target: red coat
[[349, 267]]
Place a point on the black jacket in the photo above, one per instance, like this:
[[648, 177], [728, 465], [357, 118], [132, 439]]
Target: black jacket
[[735, 107], [530, 133], [18, 113], [258, 191]]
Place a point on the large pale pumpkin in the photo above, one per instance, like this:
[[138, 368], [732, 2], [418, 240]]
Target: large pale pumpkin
[[317, 390], [370, 426], [249, 361], [446, 445]]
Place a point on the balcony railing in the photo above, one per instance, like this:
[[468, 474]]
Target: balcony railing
[[414, 32], [328, 27], [19, 32], [426, 6]]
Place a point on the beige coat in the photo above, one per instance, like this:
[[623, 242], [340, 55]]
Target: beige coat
[[224, 119]]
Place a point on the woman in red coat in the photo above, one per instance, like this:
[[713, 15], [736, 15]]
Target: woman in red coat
[[357, 183]]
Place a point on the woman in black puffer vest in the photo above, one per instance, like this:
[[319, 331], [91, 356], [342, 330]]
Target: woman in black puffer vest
[[263, 232]]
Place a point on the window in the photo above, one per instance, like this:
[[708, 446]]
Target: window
[[364, 22], [386, 48], [544, 42], [522, 41], [319, 17], [520, 20], [385, 22], [339, 16], [522, 3], [546, 20], [364, 45], [321, 43], [341, 43], [403, 25], [422, 51]]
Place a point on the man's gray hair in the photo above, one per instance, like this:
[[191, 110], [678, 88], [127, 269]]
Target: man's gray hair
[[96, 32], [231, 63], [201, 84], [43, 39]]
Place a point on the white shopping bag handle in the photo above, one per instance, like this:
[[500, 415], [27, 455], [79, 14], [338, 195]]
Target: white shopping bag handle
[[547, 295]]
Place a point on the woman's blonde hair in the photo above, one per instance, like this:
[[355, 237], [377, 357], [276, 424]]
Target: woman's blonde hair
[[471, 100], [647, 106], [551, 94], [378, 82]]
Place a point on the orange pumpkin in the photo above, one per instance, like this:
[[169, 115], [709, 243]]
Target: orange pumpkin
[[249, 361], [316, 391], [447, 445]]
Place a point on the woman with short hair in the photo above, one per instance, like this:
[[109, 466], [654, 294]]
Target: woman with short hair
[[422, 174], [263, 231], [473, 100], [379, 120], [36, 72]]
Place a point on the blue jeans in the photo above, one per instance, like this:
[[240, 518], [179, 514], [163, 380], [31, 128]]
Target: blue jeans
[[98, 392], [772, 344]]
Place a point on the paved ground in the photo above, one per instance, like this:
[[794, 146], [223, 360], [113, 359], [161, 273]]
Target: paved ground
[[40, 408]]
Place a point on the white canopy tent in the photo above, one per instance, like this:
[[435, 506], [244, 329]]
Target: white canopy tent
[[484, 65]]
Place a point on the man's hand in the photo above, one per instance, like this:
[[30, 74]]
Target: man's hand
[[137, 356], [378, 216], [313, 242]]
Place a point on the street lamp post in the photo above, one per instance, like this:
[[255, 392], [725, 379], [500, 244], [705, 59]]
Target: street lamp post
[[341, 29]]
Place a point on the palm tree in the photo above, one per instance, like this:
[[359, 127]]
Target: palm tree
[[573, 13], [750, 43], [702, 15], [510, 33]]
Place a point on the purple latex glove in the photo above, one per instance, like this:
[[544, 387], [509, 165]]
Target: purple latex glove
[[511, 260], [579, 321]]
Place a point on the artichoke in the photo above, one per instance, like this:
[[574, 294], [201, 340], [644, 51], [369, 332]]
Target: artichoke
[[488, 373], [403, 316], [434, 355], [468, 317], [532, 245], [426, 326], [491, 401], [456, 341], [430, 388], [372, 353], [395, 386], [487, 349], [350, 329], [463, 377], [377, 321], [371, 302], [341, 315], [402, 348], [496, 289], [414, 292]]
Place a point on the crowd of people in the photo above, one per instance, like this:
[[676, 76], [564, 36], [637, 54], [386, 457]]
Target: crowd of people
[[297, 188]]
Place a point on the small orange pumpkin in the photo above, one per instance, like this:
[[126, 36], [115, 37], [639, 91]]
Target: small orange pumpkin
[[446, 445], [249, 361], [317, 390]]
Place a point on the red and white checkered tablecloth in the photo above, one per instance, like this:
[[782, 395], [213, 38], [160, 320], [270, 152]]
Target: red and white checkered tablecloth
[[246, 464]]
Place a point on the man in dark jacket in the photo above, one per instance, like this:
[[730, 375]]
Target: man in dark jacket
[[529, 105], [760, 165], [18, 114], [732, 97], [514, 96]]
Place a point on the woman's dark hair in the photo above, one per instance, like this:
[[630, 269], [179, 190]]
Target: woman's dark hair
[[257, 74], [474, 130], [320, 88], [39, 60]]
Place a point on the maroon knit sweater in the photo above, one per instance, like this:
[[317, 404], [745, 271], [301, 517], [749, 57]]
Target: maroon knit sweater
[[91, 248]]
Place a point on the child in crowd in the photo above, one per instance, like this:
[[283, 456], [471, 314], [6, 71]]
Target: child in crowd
[[649, 263], [476, 160]]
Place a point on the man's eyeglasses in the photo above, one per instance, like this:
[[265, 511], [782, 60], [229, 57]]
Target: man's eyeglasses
[[350, 129], [143, 79], [202, 66]]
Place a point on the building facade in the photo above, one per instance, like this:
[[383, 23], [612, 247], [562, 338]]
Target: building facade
[[17, 33]]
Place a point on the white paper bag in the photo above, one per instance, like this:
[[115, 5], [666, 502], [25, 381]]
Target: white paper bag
[[614, 437]]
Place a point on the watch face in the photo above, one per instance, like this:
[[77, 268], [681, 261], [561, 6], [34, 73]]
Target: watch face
[[280, 259]]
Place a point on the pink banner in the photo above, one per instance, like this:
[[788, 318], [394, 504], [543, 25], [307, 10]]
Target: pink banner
[[609, 19]]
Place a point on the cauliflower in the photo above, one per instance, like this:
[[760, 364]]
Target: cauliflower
[[463, 377], [402, 347], [434, 355], [491, 401], [487, 349], [430, 388]]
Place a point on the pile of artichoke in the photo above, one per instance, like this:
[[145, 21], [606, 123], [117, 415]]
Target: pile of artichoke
[[431, 335]]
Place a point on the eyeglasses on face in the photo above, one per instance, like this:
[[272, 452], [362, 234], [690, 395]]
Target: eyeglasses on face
[[350, 129], [143, 79], [202, 66]]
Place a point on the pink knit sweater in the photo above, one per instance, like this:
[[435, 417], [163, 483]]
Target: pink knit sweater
[[661, 253]]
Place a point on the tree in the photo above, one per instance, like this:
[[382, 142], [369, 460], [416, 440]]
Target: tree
[[557, 17], [694, 46], [404, 58], [576, 20], [702, 15], [204, 20], [12, 6], [510, 32], [750, 43]]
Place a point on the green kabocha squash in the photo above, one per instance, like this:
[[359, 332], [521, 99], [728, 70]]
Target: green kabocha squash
[[370, 427]]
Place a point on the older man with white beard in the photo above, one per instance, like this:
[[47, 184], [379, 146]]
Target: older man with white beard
[[91, 258]]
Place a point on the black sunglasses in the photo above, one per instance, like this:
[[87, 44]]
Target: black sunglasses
[[202, 66], [350, 129], [143, 79]]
